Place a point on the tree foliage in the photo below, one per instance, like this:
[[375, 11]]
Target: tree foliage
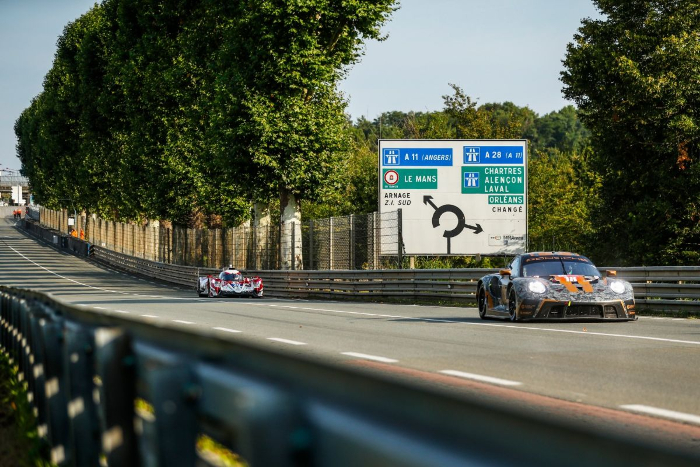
[[562, 191], [633, 75], [175, 108]]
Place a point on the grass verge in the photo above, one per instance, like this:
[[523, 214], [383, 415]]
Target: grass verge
[[20, 445]]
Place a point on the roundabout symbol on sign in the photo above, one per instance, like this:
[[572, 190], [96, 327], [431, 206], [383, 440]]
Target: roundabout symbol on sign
[[461, 221], [391, 177]]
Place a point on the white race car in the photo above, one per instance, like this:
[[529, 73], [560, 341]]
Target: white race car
[[229, 283]]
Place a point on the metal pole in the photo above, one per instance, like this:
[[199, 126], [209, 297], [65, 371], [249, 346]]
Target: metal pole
[[330, 243], [311, 244], [279, 249], [400, 238], [351, 247], [294, 245]]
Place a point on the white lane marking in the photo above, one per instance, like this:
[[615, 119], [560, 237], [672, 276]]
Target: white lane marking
[[149, 316], [511, 326], [485, 379], [181, 321], [285, 341], [658, 339], [99, 308], [121, 311], [684, 417], [102, 289], [226, 330], [370, 357]]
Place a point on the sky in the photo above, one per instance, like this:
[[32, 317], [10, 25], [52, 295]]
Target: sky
[[495, 50]]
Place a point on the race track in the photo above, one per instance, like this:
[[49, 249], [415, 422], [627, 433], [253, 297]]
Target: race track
[[641, 377]]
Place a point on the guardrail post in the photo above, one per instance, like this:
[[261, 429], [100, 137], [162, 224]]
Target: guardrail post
[[116, 390], [172, 391], [55, 388], [78, 357]]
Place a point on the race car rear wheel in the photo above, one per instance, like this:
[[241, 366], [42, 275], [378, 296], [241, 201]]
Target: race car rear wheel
[[513, 305], [481, 300]]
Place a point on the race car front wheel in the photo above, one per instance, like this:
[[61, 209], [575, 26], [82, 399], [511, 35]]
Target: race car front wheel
[[204, 292], [513, 305], [481, 299]]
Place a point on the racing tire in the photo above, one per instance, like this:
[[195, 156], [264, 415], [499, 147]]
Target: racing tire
[[258, 294], [481, 301], [513, 305]]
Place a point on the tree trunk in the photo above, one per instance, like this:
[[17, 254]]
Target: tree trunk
[[290, 222]]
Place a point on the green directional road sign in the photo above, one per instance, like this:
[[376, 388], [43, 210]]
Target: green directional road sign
[[410, 179], [491, 179], [456, 196]]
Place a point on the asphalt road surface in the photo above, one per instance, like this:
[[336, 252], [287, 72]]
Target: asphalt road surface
[[641, 377]]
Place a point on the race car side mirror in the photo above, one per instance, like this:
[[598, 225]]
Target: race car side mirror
[[611, 273], [505, 272]]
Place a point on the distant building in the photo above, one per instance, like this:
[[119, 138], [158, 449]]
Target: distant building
[[14, 186]]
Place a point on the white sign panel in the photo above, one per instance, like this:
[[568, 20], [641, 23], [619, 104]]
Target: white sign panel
[[458, 197]]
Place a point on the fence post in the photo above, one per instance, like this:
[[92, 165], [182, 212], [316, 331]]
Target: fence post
[[351, 247], [267, 247], [294, 245], [279, 246], [400, 238], [330, 244], [311, 245]]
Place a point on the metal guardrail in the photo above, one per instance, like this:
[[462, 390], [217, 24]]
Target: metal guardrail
[[659, 288], [113, 391]]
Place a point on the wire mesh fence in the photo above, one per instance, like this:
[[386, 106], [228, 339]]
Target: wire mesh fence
[[367, 241]]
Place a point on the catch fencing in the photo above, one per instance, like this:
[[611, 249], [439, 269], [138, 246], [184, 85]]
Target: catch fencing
[[368, 241], [108, 390]]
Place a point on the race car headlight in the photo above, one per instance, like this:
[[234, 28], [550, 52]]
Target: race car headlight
[[617, 287], [536, 287]]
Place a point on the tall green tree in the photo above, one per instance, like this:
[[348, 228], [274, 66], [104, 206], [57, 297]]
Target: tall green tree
[[562, 190], [561, 129], [280, 115], [634, 76]]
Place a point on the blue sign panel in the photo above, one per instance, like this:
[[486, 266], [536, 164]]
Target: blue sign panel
[[413, 157], [471, 180], [493, 155]]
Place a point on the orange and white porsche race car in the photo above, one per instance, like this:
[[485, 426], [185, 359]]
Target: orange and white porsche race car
[[554, 286]]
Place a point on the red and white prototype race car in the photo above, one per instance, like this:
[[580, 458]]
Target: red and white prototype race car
[[229, 283]]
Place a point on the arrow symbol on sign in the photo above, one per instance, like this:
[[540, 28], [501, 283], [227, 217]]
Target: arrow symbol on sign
[[461, 221], [429, 200]]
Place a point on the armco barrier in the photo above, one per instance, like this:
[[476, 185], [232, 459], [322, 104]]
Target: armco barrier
[[659, 288], [113, 391]]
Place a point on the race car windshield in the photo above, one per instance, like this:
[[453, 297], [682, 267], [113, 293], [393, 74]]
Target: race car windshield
[[559, 266], [229, 276]]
